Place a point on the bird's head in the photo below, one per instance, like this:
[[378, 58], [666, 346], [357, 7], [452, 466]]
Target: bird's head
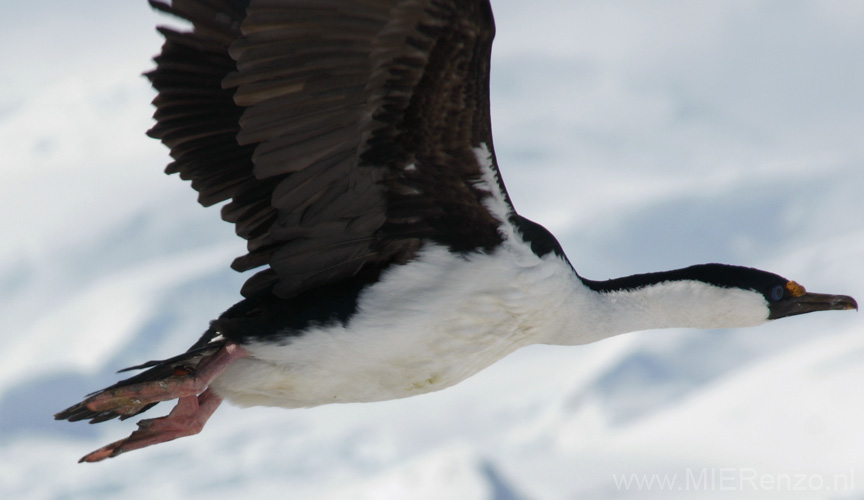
[[782, 297], [791, 299]]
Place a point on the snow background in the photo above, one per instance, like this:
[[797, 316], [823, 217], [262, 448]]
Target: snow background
[[647, 135]]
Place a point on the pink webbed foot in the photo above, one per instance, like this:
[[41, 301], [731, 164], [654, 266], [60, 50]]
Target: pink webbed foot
[[195, 406], [186, 419], [127, 400]]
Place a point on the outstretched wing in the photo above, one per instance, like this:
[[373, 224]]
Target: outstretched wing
[[342, 131]]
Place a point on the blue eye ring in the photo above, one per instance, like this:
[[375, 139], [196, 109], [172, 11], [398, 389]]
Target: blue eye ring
[[777, 293]]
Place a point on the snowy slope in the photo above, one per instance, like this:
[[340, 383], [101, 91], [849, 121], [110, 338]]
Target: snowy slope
[[647, 135]]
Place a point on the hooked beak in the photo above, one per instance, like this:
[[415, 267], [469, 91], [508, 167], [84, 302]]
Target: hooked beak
[[810, 302]]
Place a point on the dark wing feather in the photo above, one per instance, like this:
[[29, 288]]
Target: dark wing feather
[[307, 114], [340, 96], [195, 117], [431, 90], [302, 68]]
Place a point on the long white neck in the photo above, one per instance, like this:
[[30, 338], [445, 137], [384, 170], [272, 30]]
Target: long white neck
[[592, 316], [564, 310]]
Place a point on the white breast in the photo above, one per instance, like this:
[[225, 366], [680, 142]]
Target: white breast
[[425, 326]]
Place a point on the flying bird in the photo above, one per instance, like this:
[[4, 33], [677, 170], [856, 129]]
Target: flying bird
[[353, 140]]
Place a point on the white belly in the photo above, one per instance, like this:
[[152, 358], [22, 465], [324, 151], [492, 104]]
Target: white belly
[[407, 337]]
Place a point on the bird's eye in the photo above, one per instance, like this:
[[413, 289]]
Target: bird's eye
[[777, 293]]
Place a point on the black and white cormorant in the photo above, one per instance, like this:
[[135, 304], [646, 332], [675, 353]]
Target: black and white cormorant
[[353, 141]]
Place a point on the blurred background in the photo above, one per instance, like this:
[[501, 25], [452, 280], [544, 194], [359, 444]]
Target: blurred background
[[647, 135]]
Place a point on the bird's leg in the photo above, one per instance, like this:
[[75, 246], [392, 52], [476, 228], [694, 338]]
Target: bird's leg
[[186, 419], [128, 399], [195, 406]]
